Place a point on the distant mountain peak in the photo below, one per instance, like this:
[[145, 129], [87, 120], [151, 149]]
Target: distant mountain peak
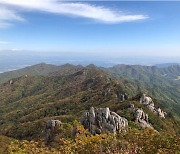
[[91, 66]]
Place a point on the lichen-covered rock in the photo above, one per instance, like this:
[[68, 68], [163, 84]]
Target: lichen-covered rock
[[51, 128], [103, 120], [141, 118]]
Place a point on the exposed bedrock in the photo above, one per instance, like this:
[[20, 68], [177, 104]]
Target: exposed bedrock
[[146, 100], [101, 120]]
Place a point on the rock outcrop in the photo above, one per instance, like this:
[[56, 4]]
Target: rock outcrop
[[11, 82], [122, 97], [161, 113], [145, 99], [141, 118], [150, 104], [103, 120], [51, 128]]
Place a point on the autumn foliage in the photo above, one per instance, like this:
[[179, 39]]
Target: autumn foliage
[[135, 141]]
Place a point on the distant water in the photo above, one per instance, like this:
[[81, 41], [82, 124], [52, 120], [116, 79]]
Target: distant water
[[10, 68]]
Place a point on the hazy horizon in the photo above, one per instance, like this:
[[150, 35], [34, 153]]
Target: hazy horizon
[[104, 33], [11, 60]]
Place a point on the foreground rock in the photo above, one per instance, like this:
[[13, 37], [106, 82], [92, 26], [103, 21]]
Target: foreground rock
[[102, 120], [150, 104], [51, 128]]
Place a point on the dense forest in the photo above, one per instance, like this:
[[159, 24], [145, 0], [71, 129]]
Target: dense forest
[[31, 96]]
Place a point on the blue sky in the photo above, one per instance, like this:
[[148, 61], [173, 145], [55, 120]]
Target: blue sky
[[108, 28]]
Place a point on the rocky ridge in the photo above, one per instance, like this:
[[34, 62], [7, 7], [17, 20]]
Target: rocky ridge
[[146, 100]]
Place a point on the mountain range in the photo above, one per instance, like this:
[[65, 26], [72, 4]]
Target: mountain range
[[32, 95]]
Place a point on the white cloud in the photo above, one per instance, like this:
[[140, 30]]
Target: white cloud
[[99, 13], [7, 15]]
